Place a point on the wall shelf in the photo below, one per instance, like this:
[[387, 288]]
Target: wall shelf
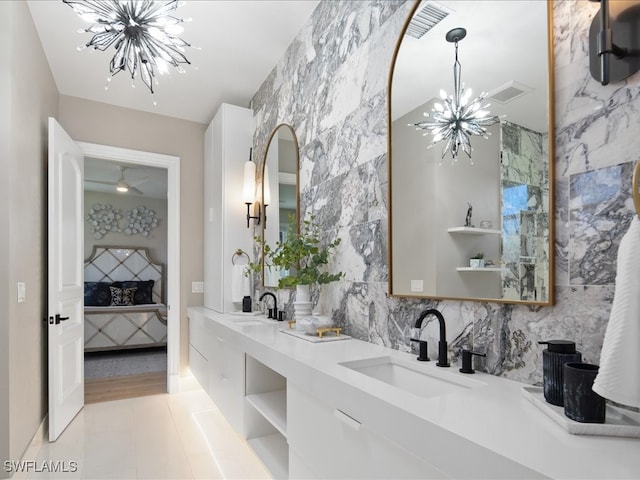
[[474, 231]]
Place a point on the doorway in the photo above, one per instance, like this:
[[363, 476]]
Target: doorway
[[122, 156]]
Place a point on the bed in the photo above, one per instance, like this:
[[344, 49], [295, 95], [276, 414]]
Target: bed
[[124, 300]]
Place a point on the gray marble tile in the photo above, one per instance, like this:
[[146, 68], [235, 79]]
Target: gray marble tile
[[331, 87], [600, 213]]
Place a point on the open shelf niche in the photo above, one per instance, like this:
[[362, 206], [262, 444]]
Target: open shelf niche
[[266, 416]]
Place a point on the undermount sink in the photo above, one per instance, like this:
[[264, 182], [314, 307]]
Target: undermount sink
[[417, 379]]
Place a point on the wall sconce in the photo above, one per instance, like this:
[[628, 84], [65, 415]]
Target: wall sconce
[[249, 190], [609, 60]]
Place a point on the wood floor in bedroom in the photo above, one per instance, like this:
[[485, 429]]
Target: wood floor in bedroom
[[125, 386]]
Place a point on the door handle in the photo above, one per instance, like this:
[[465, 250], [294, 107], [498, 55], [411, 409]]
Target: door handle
[[57, 319]]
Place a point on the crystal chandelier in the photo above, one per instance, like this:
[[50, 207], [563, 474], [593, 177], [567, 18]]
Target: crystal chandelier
[[455, 119], [143, 33]]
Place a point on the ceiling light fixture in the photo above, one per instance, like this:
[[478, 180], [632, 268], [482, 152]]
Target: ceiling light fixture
[[143, 33], [455, 119]]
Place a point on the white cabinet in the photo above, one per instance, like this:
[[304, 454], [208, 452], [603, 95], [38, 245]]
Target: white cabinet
[[327, 442], [266, 416], [198, 350], [217, 362], [227, 142], [226, 374]]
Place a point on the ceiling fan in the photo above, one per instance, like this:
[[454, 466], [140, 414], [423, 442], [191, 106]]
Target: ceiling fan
[[121, 184]]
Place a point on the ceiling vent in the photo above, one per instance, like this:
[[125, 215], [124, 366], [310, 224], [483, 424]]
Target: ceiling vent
[[509, 92], [425, 19]]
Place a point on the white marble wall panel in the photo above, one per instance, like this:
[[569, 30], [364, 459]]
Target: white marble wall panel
[[331, 87]]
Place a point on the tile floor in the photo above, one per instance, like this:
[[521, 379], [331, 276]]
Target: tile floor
[[179, 436]]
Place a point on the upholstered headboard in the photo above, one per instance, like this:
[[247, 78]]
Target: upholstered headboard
[[120, 264]]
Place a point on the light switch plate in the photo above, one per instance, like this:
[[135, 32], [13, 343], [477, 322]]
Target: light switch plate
[[417, 285], [197, 287], [22, 292]]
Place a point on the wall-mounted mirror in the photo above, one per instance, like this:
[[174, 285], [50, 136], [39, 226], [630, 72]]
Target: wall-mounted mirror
[[279, 193], [499, 202]]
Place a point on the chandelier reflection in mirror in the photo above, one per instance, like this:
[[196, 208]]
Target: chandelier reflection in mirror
[[143, 33], [455, 119]]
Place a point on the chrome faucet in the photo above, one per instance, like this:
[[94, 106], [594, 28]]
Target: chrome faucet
[[273, 312], [443, 361]]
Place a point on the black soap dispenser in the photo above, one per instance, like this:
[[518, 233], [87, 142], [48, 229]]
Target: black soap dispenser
[[557, 353], [246, 304]]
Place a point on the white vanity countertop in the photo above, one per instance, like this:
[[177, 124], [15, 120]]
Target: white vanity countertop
[[495, 416]]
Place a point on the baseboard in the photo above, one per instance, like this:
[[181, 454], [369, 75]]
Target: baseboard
[[173, 383], [31, 452]]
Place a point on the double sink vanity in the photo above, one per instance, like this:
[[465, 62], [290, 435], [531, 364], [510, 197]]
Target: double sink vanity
[[352, 409]]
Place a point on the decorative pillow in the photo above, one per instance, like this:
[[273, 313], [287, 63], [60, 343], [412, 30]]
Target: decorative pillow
[[144, 290], [122, 296], [97, 294]]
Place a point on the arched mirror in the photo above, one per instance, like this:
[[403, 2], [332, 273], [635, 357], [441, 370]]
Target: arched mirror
[[497, 203], [279, 193]]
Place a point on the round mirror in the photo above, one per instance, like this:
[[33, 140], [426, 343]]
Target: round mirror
[[279, 193], [472, 221]]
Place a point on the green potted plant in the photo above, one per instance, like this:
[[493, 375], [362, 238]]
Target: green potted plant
[[477, 260], [305, 258]]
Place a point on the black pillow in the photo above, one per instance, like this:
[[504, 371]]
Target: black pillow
[[97, 294], [144, 290]]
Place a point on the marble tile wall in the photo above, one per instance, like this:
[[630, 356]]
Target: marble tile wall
[[331, 87], [525, 219]]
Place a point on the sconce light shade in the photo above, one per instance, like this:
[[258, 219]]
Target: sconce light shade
[[248, 192]]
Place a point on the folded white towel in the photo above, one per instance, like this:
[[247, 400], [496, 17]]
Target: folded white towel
[[618, 377], [239, 283]]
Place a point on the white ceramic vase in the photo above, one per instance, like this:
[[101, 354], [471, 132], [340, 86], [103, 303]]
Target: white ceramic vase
[[302, 306]]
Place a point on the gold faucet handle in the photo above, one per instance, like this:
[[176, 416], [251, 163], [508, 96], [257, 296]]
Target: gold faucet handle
[[291, 323]]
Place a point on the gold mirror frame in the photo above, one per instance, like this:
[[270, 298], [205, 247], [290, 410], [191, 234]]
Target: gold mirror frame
[[551, 159], [265, 223]]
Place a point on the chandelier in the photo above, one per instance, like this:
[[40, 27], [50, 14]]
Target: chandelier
[[143, 33], [455, 119]]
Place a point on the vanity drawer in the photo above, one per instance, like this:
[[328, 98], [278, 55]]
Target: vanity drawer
[[333, 443]]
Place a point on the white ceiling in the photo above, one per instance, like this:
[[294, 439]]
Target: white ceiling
[[151, 181], [240, 43]]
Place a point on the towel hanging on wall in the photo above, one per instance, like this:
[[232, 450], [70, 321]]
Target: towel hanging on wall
[[240, 283], [618, 378]]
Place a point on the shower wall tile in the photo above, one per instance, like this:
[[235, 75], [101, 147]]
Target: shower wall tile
[[330, 86]]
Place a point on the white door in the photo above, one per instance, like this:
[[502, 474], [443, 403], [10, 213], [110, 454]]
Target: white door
[[66, 280]]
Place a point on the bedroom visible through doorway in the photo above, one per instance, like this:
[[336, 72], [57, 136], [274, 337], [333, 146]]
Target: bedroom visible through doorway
[[125, 251], [133, 239]]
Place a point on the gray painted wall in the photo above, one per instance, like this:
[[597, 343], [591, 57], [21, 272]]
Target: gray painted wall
[[28, 95], [156, 242], [94, 122]]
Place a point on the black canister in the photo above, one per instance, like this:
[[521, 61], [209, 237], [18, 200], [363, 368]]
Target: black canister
[[557, 353], [246, 303], [581, 403]]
